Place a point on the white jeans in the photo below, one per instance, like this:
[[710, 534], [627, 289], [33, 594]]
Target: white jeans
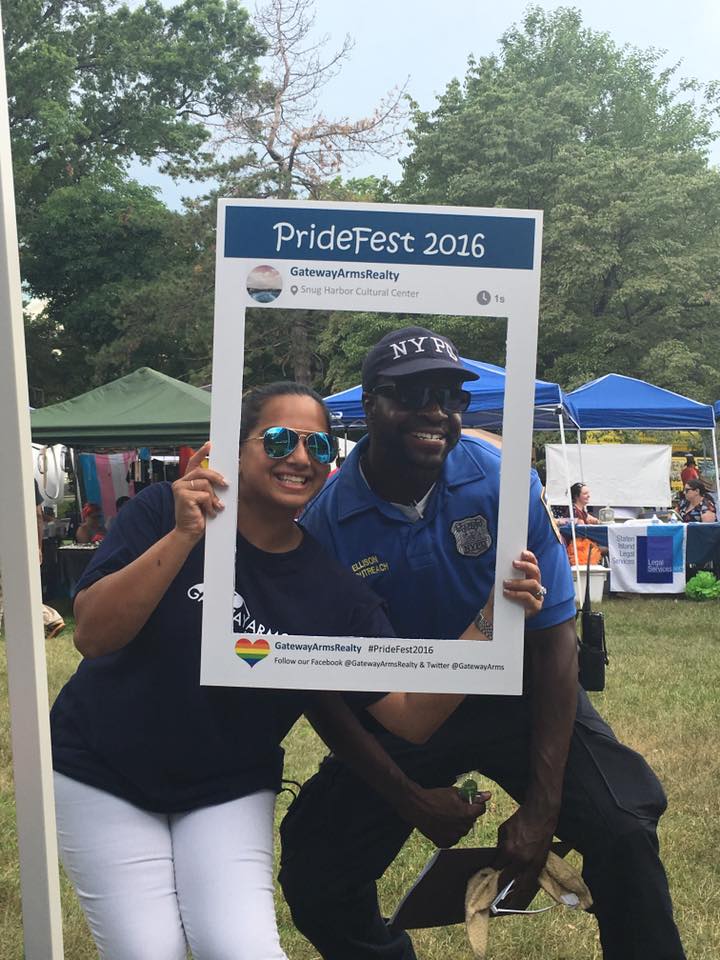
[[152, 884]]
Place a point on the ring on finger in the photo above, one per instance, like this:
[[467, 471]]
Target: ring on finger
[[541, 593]]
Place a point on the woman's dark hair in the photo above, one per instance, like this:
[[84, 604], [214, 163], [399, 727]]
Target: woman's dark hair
[[255, 399], [697, 485], [575, 490]]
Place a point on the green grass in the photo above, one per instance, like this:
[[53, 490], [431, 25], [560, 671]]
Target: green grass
[[662, 699]]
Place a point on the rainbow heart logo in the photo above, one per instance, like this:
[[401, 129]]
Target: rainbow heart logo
[[252, 652]]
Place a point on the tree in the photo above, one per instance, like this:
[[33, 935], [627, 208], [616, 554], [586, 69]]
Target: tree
[[293, 147], [348, 338], [614, 150], [682, 369], [115, 266], [92, 86], [290, 148]]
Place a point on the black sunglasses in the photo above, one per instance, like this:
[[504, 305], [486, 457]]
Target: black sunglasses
[[417, 397], [279, 442]]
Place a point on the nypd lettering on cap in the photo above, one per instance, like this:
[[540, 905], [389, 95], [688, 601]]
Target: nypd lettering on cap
[[402, 349], [412, 351]]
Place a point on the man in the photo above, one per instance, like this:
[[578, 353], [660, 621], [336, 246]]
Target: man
[[414, 511], [689, 471]]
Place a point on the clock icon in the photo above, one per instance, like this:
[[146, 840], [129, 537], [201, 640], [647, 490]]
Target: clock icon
[[484, 298]]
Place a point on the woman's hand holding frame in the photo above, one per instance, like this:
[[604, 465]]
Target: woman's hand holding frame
[[195, 496]]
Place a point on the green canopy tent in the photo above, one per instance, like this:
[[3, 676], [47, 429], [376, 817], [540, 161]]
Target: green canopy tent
[[145, 408]]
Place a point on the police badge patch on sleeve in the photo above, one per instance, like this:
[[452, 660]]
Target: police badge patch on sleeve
[[472, 537]]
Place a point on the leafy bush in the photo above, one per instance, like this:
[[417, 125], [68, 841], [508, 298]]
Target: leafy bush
[[703, 586]]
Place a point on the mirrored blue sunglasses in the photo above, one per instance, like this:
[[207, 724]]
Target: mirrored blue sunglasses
[[279, 442]]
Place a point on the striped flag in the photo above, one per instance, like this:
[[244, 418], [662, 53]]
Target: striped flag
[[104, 478]]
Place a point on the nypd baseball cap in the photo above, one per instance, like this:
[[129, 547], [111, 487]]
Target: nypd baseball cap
[[412, 350]]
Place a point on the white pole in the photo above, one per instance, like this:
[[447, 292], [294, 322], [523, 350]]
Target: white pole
[[581, 478], [27, 679], [715, 460], [570, 502]]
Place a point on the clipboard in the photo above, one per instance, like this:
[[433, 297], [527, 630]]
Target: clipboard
[[437, 898]]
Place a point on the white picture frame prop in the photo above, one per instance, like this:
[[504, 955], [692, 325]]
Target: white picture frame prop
[[281, 254]]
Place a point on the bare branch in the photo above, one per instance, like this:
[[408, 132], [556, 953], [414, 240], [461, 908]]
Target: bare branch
[[282, 121]]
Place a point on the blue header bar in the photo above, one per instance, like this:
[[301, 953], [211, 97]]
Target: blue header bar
[[379, 236]]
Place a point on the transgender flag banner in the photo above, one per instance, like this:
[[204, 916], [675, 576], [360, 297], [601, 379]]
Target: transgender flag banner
[[105, 479], [647, 558]]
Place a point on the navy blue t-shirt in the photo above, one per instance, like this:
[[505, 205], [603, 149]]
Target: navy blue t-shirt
[[137, 723]]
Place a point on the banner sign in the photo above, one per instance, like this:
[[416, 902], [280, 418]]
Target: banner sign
[[379, 258], [647, 558], [394, 238], [605, 467]]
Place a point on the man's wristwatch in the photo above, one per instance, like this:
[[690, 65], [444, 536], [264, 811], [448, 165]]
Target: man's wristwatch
[[484, 626]]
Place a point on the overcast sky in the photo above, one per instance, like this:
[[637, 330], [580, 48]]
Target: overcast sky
[[430, 42]]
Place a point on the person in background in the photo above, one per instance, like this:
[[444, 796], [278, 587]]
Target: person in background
[[339, 461], [39, 520], [580, 495], [92, 529], [539, 465], [53, 623], [697, 505], [40, 526], [689, 471], [119, 504]]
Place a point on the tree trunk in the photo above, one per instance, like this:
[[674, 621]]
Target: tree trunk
[[302, 351]]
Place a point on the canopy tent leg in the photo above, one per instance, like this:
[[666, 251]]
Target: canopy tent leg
[[569, 496], [715, 461], [581, 478]]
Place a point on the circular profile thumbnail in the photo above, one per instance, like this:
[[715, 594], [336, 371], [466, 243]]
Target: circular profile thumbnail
[[264, 284]]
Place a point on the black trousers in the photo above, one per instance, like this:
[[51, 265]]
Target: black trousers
[[339, 837]]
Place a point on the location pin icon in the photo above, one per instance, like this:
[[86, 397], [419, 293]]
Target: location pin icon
[[293, 290]]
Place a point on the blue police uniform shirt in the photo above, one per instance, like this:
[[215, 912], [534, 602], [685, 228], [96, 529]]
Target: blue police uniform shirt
[[436, 572], [136, 723]]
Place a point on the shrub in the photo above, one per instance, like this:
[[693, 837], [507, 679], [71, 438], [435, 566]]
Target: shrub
[[703, 586]]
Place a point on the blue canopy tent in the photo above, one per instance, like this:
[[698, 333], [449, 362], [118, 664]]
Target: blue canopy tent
[[717, 409], [486, 407], [616, 402]]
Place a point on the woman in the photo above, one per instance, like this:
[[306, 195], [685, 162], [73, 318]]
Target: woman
[[698, 506], [91, 530], [164, 789], [580, 496]]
